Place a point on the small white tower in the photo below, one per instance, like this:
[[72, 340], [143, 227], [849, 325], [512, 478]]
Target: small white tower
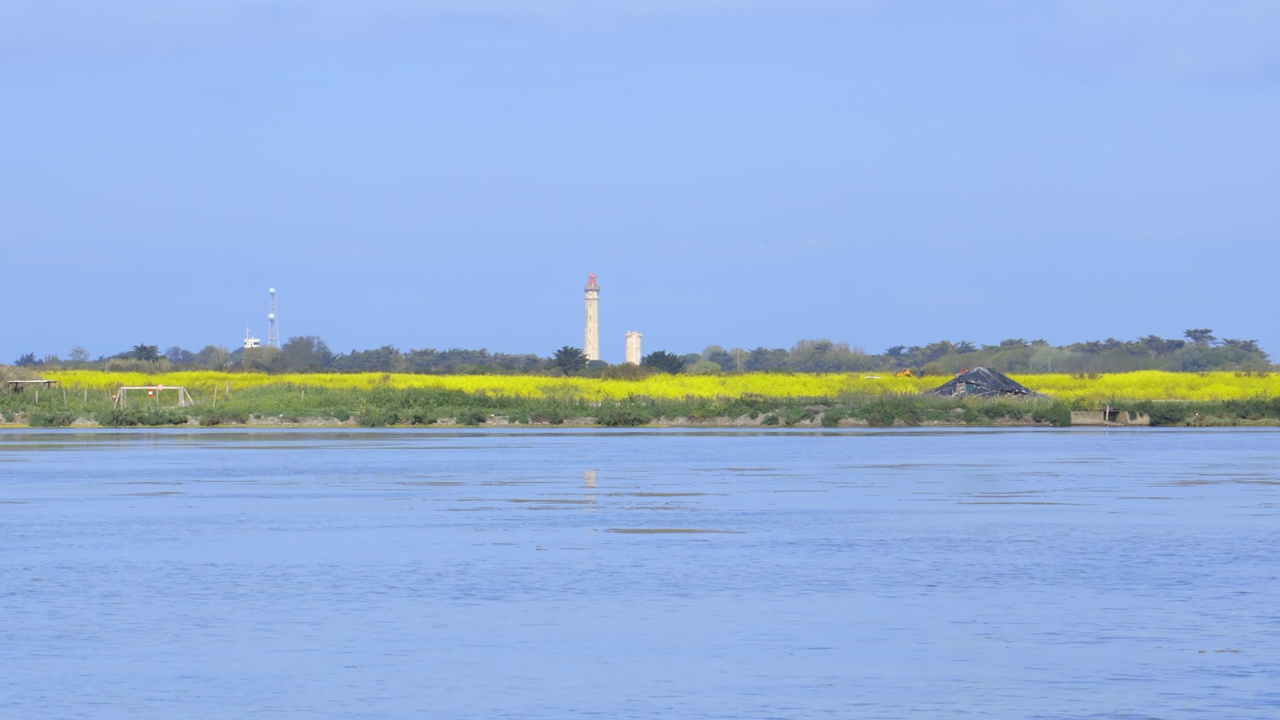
[[273, 331], [591, 346], [633, 347]]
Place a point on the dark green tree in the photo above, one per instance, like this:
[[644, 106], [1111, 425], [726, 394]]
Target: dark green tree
[[719, 356], [262, 359], [825, 356], [214, 358], [1200, 336], [1156, 346], [1249, 346], [145, 352], [325, 355], [764, 359], [570, 360], [179, 356], [663, 361], [384, 359], [307, 353]]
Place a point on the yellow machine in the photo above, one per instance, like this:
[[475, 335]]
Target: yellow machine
[[906, 373]]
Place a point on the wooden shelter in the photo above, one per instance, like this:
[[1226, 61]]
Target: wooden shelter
[[17, 386]]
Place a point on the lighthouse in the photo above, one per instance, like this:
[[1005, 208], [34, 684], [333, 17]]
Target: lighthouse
[[591, 345], [633, 347]]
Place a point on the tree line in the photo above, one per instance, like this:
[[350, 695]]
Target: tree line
[[1197, 351]]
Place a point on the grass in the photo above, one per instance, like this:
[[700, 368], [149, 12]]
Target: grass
[[374, 400]]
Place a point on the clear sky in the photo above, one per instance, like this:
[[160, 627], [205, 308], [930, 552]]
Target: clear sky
[[446, 173]]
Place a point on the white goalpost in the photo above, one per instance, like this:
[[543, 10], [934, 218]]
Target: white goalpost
[[118, 399]]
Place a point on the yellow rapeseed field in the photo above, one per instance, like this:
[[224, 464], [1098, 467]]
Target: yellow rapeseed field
[[1156, 385], [1144, 385]]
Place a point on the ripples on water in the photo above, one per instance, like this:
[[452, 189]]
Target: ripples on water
[[640, 574]]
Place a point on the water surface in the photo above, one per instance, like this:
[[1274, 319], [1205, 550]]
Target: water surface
[[640, 574]]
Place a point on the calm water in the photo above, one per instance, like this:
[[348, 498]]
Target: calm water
[[453, 574]]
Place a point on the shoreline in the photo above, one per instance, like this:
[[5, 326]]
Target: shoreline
[[718, 423], [286, 405]]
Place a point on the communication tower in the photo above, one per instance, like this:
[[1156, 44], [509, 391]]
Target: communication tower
[[273, 331], [591, 346]]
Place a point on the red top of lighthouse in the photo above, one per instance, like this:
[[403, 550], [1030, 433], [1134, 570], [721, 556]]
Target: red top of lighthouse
[[591, 280]]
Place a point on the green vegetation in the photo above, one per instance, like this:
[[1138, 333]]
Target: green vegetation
[[286, 403], [1198, 351], [629, 399], [569, 360], [662, 361]]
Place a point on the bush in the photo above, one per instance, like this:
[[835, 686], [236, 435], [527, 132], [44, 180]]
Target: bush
[[417, 417], [626, 371], [1165, 413], [831, 418], [376, 418], [119, 417], [154, 418], [49, 418], [1056, 414], [213, 418], [133, 417], [1254, 408], [752, 407], [705, 410], [996, 409], [886, 410], [793, 415], [624, 416]]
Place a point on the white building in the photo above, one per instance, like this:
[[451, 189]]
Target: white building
[[633, 347]]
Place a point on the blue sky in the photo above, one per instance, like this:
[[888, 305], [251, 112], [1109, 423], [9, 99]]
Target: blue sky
[[446, 174]]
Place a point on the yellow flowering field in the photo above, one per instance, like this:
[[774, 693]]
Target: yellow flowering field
[[657, 386], [1144, 385], [1156, 385]]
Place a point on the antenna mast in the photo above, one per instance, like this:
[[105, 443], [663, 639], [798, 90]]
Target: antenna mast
[[273, 331]]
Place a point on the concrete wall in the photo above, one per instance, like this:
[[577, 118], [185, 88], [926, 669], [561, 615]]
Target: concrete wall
[[1085, 418]]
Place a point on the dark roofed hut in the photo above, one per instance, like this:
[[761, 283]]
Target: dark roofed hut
[[982, 382]]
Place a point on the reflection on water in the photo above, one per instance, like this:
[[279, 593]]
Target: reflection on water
[[665, 531], [647, 574]]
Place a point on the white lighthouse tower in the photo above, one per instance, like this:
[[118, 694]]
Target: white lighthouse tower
[[591, 345]]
